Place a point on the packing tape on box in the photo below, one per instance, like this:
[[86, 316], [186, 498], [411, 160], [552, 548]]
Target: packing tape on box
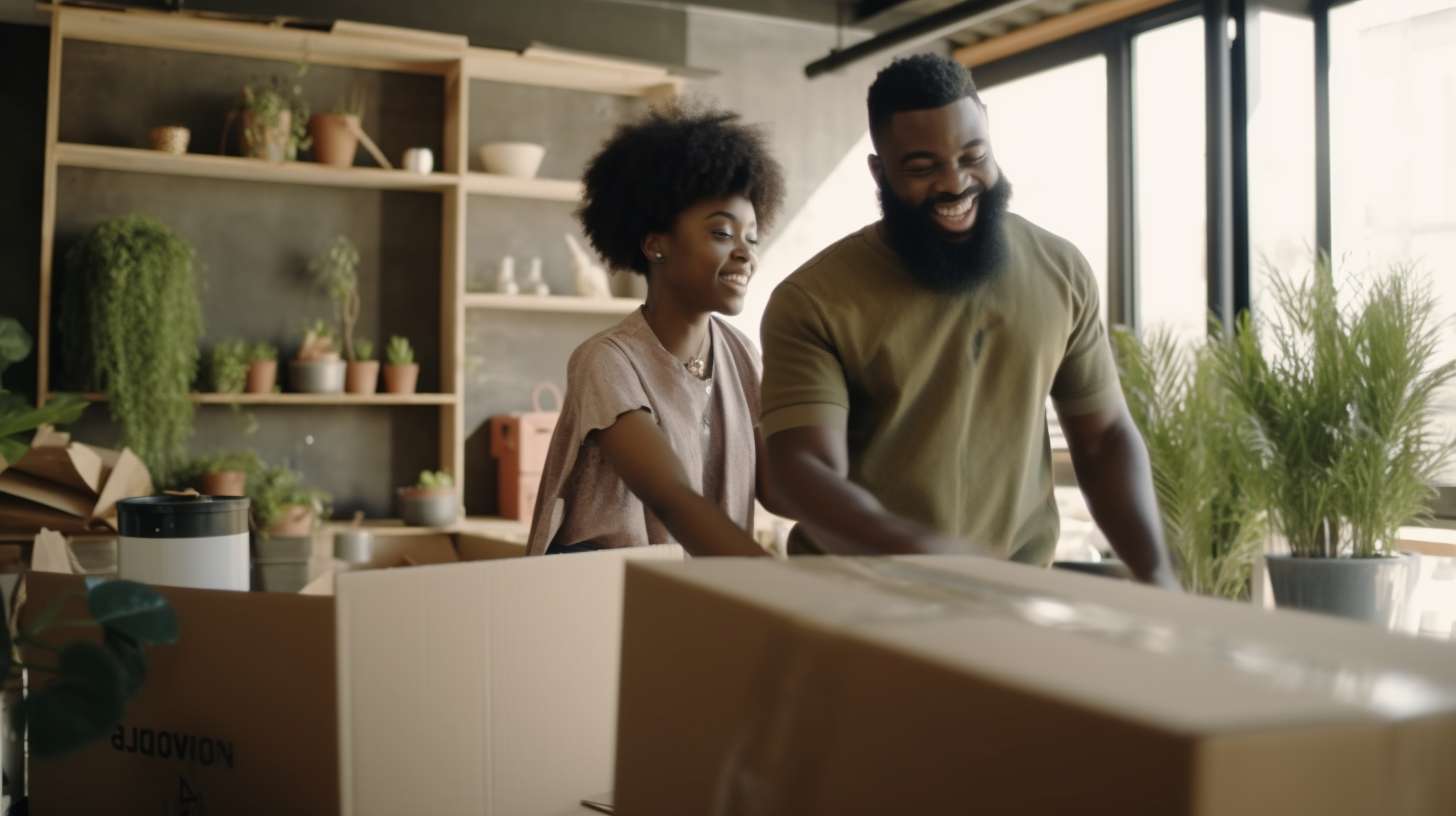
[[793, 705]]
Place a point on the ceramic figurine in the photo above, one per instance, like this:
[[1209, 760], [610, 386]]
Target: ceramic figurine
[[535, 284], [505, 282], [589, 277]]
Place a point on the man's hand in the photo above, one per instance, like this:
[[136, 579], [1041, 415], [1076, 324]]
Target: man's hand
[[1112, 468]]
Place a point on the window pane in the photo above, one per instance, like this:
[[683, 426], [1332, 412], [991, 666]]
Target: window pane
[[1281, 146], [1393, 145], [1169, 139], [1059, 172]]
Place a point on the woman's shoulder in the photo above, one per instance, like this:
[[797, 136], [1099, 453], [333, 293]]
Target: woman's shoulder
[[615, 345], [738, 342]]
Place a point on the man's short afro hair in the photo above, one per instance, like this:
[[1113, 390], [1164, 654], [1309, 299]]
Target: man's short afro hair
[[675, 156], [918, 82]]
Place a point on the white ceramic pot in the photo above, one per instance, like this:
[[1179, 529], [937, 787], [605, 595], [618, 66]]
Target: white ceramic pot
[[419, 160], [519, 159], [184, 541]]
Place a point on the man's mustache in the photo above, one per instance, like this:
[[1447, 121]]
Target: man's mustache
[[947, 198]]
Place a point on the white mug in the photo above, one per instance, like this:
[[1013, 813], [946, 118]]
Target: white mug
[[419, 160]]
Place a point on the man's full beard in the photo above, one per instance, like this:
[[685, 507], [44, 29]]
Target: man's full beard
[[938, 264]]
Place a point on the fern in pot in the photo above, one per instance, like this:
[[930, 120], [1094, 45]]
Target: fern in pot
[[1341, 399], [1202, 461]]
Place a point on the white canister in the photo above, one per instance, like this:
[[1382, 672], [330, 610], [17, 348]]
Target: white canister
[[419, 160], [184, 541]]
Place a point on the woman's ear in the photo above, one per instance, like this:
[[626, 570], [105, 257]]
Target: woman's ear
[[654, 246]]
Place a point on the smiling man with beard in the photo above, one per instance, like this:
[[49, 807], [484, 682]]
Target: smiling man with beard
[[907, 366]]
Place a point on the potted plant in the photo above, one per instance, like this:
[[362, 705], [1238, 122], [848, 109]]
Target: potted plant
[[230, 366], [432, 502], [130, 323], [337, 270], [336, 134], [17, 416], [274, 120], [402, 372], [225, 473], [262, 368], [318, 369], [283, 505], [362, 376], [1341, 399], [1202, 461]]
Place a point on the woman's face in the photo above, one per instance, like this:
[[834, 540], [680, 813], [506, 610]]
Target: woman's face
[[709, 257]]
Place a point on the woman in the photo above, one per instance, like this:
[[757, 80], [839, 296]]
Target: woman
[[658, 438]]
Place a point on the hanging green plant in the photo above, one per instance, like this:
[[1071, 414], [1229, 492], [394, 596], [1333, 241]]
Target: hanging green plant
[[1203, 461], [130, 324]]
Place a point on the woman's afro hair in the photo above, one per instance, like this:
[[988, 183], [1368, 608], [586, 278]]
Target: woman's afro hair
[[675, 156]]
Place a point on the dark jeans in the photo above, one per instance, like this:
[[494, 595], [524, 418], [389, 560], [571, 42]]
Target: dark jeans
[[568, 549]]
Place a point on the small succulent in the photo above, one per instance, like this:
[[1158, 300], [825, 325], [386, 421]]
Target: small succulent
[[400, 351]]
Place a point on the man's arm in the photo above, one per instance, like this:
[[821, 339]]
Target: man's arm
[[811, 473], [1112, 468]]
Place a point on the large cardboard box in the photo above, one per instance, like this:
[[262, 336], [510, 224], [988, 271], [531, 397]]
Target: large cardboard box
[[961, 685], [485, 688]]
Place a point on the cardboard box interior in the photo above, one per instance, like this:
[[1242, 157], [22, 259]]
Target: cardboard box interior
[[938, 685]]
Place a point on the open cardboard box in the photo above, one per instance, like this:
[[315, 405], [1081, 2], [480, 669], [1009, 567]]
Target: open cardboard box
[[487, 687], [931, 685]]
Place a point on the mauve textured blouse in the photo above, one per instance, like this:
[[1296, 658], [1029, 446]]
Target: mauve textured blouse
[[709, 424]]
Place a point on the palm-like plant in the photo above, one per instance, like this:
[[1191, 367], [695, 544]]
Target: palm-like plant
[[1204, 471]]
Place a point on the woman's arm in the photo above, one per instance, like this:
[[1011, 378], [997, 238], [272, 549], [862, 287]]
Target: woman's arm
[[646, 462], [763, 486]]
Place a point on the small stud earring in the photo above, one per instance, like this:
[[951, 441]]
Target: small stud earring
[[659, 257]]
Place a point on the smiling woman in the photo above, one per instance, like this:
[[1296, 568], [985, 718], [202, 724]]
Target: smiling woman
[[658, 439]]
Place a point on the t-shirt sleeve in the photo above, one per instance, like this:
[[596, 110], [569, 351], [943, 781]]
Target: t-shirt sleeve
[[1086, 381], [801, 366], [602, 385]]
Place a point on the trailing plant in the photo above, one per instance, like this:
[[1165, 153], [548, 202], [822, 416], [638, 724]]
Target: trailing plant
[[230, 360], [17, 416], [337, 270], [1342, 401], [400, 352], [81, 694], [272, 490], [262, 352], [434, 480], [363, 350], [264, 106], [1202, 460], [130, 326]]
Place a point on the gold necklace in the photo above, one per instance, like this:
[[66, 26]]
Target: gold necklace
[[698, 364]]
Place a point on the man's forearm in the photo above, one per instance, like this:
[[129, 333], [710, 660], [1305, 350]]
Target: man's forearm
[[841, 515], [1116, 479]]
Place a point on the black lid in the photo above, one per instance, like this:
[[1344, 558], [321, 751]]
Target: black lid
[[182, 516]]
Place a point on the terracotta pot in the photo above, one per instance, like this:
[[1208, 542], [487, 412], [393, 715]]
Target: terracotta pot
[[297, 522], [274, 146], [262, 376], [334, 143], [362, 377], [400, 379], [224, 483]]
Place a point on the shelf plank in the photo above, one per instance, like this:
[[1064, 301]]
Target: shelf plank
[[235, 168], [309, 399], [553, 68], [543, 189], [551, 303]]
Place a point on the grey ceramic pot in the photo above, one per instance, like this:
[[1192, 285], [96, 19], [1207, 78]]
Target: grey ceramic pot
[[1368, 589], [316, 376], [428, 507]]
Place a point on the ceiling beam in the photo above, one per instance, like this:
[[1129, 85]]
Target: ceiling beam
[[1052, 29], [928, 28]]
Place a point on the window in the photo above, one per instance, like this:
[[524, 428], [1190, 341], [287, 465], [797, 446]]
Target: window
[[1049, 133], [1171, 178]]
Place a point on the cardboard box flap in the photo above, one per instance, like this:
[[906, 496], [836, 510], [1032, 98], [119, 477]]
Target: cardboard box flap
[[74, 467], [526, 721], [19, 515], [70, 501], [128, 479]]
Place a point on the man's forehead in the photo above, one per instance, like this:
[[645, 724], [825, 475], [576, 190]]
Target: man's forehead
[[944, 128]]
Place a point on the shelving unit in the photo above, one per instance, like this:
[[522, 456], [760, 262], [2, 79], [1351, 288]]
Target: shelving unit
[[359, 46]]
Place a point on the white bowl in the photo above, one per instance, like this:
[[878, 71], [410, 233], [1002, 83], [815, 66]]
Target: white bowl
[[519, 159]]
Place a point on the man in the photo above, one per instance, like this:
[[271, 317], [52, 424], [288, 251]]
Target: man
[[907, 366]]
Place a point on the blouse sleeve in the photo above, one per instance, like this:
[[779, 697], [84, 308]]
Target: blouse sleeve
[[603, 385]]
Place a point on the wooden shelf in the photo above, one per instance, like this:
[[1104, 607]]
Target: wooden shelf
[[308, 399], [544, 189], [550, 303], [556, 68], [197, 165]]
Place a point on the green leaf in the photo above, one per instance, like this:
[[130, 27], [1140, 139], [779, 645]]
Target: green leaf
[[15, 342], [134, 610], [64, 409], [132, 658], [84, 704]]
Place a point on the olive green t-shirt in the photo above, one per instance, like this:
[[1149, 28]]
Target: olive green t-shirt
[[942, 397]]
